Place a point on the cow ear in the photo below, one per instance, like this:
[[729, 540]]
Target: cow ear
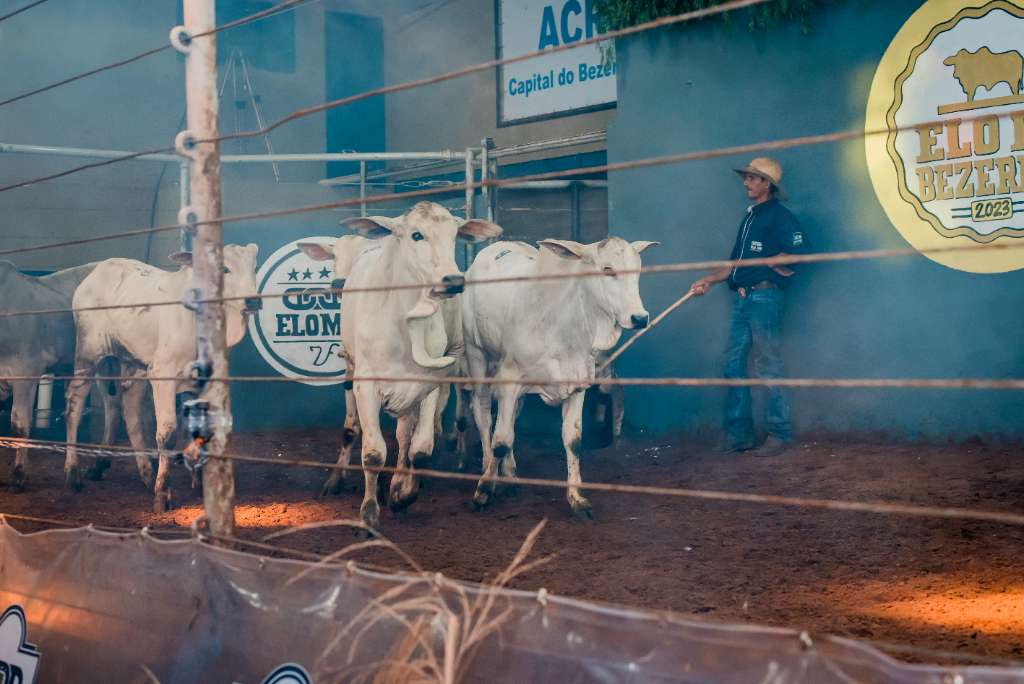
[[254, 248], [641, 245], [567, 249], [183, 259], [373, 227], [316, 251], [478, 229]]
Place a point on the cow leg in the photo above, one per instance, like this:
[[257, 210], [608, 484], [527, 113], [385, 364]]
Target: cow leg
[[425, 431], [505, 427], [350, 438], [618, 410], [403, 485], [572, 433], [24, 392], [461, 423], [482, 415], [451, 433], [111, 420], [75, 396], [414, 446], [166, 424], [375, 449], [132, 398]]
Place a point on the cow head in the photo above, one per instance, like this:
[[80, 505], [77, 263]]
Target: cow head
[[239, 281], [342, 254], [955, 60], [425, 242], [617, 294], [424, 252]]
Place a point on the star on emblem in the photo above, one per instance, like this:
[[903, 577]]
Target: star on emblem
[[293, 274], [307, 274], [325, 273]]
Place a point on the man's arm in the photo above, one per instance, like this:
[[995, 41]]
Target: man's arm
[[791, 240], [702, 285]]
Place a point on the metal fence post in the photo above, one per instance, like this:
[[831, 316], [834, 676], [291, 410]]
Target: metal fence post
[[485, 171], [470, 251], [362, 187], [208, 261]]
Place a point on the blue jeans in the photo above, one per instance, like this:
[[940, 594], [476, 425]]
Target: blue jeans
[[756, 321]]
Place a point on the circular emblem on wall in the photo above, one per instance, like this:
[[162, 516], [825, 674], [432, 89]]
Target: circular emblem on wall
[[298, 333], [950, 93]]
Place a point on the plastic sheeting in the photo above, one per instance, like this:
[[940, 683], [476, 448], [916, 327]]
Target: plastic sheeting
[[127, 608]]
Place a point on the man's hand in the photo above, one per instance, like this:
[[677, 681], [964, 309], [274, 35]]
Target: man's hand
[[700, 287]]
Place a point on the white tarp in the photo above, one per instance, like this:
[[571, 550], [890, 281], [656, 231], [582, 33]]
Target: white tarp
[[101, 607]]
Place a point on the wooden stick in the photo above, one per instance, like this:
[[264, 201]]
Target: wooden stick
[[629, 343]]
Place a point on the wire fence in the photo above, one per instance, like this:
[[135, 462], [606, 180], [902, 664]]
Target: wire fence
[[420, 189], [276, 9], [871, 507], [471, 381], [679, 267], [21, 9]]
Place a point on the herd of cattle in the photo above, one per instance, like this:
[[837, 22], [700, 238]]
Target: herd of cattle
[[528, 335]]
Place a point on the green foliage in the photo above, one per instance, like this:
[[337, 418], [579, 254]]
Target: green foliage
[[616, 14]]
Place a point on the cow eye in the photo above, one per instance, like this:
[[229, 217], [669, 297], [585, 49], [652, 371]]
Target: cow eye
[[609, 271], [227, 270], [417, 236]]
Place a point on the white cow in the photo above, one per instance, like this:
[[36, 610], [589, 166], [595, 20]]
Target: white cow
[[545, 329], [343, 253], [158, 340], [402, 332]]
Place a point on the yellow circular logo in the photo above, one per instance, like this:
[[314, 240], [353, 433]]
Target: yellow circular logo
[[950, 93]]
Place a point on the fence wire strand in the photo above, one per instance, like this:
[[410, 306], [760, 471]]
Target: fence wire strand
[[24, 8], [648, 162], [843, 383], [874, 507], [785, 260], [301, 113], [288, 4], [491, 64]]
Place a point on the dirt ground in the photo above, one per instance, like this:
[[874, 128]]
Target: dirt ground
[[938, 584]]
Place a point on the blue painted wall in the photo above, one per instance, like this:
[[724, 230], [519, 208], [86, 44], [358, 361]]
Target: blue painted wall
[[712, 85]]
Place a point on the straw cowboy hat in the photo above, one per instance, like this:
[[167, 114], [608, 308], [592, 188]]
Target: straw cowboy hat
[[766, 168]]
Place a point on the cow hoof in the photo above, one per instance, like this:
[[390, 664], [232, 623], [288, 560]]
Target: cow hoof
[[370, 514], [400, 505], [72, 480], [162, 502], [19, 477], [332, 486], [95, 472], [480, 500], [582, 511]]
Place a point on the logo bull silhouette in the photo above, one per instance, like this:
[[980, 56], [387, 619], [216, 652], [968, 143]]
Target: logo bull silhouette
[[986, 68]]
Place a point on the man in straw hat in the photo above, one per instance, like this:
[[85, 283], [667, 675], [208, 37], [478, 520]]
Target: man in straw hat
[[768, 229]]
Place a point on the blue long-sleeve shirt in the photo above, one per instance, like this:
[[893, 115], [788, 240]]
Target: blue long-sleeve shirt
[[767, 230]]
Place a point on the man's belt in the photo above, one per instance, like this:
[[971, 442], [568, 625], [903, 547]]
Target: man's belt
[[763, 285]]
